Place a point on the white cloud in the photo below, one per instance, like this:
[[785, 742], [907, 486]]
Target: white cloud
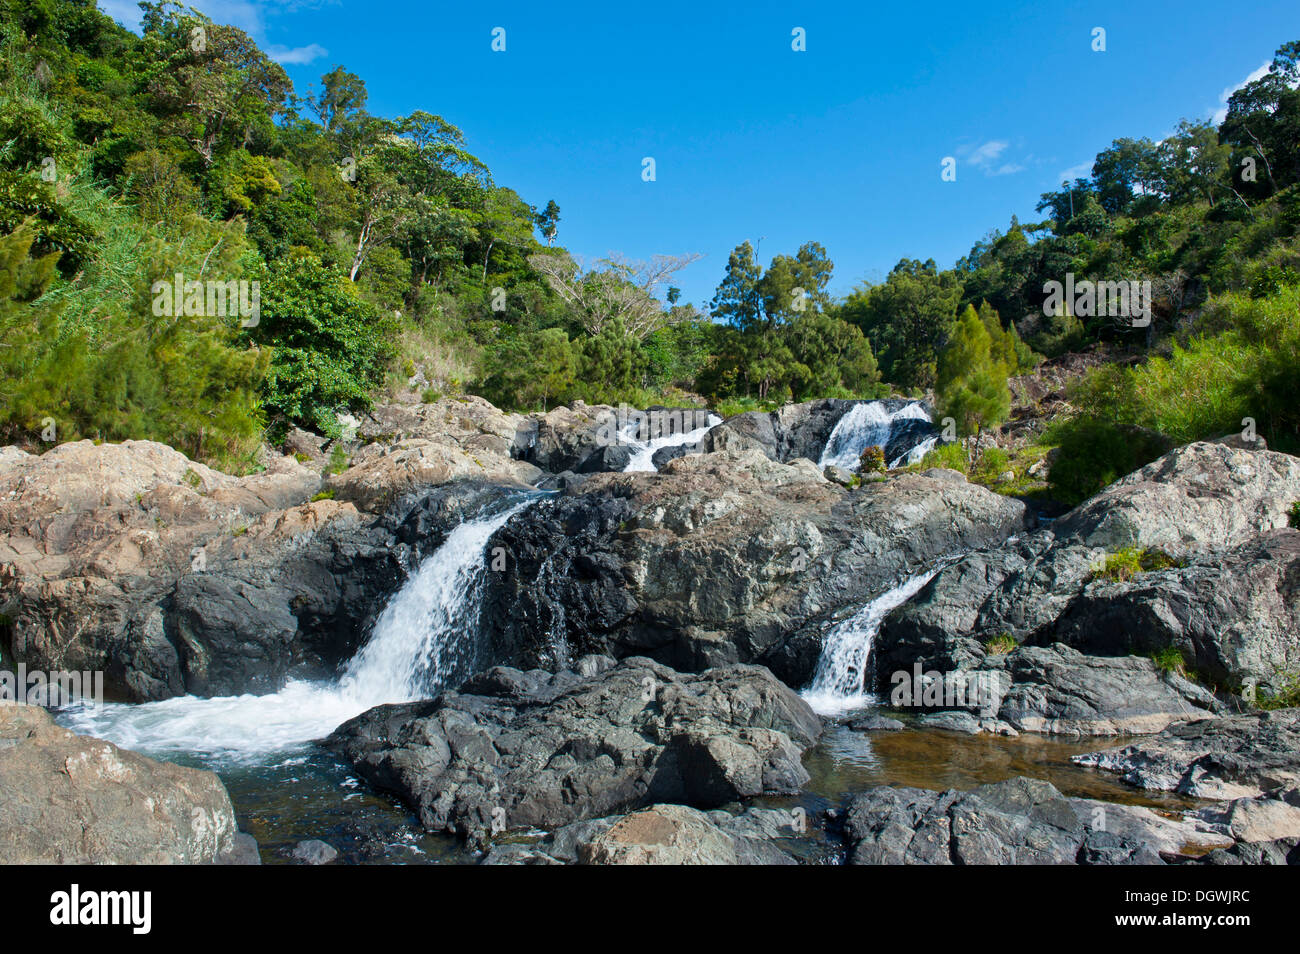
[[1081, 171], [987, 158], [1220, 114], [296, 56], [249, 15]]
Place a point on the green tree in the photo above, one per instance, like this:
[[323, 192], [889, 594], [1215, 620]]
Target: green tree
[[972, 385]]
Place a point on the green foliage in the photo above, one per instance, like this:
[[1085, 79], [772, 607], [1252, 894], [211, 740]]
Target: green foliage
[[951, 456], [1293, 516], [1287, 697], [872, 460], [1126, 563], [329, 348], [1170, 660], [1001, 645], [972, 381]]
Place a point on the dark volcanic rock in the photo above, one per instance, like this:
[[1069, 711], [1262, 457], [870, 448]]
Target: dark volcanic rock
[[660, 835], [1229, 757], [721, 558], [518, 749], [1058, 690], [1234, 614], [1019, 821], [1208, 505]]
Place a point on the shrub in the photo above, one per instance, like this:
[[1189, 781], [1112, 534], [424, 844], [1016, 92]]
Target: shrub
[[872, 460], [1000, 645]]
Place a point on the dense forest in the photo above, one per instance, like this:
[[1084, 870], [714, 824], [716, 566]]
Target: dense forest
[[382, 256]]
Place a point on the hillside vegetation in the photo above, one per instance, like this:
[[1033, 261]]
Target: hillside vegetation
[[353, 255]]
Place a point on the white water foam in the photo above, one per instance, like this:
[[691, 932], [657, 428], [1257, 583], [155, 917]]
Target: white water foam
[[643, 455], [865, 425], [419, 640], [838, 686]]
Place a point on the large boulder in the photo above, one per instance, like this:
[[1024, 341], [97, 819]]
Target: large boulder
[[1019, 821], [412, 466], [173, 578], [723, 557], [1200, 505], [1237, 756], [1233, 614], [71, 799], [521, 750], [660, 835]]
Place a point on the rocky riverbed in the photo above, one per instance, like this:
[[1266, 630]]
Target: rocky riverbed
[[570, 662]]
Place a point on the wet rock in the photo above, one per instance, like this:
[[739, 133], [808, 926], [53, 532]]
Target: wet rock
[[1285, 851], [314, 852], [71, 799], [1224, 758], [518, 750], [1019, 821], [723, 557], [875, 723]]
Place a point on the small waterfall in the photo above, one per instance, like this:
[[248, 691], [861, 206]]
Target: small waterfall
[[422, 642], [644, 452], [865, 425], [839, 684]]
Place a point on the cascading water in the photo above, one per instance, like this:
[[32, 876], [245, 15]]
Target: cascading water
[[421, 642], [839, 684], [868, 424], [644, 450]]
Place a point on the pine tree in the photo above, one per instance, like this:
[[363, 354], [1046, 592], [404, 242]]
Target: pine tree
[[972, 383]]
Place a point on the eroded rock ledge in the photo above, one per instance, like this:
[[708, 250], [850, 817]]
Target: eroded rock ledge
[[515, 749]]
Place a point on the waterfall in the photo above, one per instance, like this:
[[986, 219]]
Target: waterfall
[[864, 425], [422, 642], [839, 683], [644, 450]]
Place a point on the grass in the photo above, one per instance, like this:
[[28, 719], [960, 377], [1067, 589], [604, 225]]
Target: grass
[[338, 461], [327, 494], [1170, 660], [1001, 645], [1287, 698], [1128, 562], [991, 469]]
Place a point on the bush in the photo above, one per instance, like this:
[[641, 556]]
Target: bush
[[872, 460], [1093, 454]]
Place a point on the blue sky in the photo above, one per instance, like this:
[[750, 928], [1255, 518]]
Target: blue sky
[[840, 144]]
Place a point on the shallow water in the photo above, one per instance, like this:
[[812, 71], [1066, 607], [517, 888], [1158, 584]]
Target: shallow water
[[846, 761]]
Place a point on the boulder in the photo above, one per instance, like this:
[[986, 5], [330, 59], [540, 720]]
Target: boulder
[[1233, 613], [660, 835], [71, 799], [722, 557], [520, 750], [1203, 504], [1238, 756], [1019, 821]]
